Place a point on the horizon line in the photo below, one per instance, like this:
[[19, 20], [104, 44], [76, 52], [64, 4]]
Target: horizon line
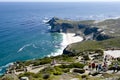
[[59, 1], [62, 1]]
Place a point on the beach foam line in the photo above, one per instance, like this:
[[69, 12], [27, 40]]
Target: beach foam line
[[68, 38], [5, 66]]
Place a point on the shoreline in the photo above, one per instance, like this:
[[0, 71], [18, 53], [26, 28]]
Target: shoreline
[[68, 38]]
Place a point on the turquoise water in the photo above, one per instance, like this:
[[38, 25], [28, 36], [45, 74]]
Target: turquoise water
[[23, 35]]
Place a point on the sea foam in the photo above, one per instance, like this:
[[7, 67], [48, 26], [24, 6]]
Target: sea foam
[[23, 47], [68, 38], [5, 66]]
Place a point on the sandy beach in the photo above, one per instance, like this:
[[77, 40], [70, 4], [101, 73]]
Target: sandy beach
[[68, 38]]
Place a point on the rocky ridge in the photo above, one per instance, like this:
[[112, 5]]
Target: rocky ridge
[[89, 30]]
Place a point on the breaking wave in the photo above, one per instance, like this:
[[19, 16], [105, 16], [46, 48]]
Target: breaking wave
[[23, 47]]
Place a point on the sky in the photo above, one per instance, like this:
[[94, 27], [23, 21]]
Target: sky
[[59, 0]]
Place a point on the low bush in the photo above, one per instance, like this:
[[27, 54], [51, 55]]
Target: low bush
[[57, 73], [86, 57], [66, 70], [42, 61], [26, 74], [81, 71], [77, 65], [84, 76], [95, 73], [46, 76], [73, 65]]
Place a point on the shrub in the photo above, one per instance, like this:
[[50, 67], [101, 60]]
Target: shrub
[[42, 61], [66, 70], [99, 51], [64, 66], [46, 76], [57, 73], [57, 68], [86, 57], [77, 65], [81, 71], [84, 76], [45, 61], [37, 75], [27, 74], [72, 65], [36, 63], [95, 73]]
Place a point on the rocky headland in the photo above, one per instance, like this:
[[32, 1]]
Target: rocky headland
[[99, 33]]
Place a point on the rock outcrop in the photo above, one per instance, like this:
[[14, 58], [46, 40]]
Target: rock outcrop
[[89, 29]]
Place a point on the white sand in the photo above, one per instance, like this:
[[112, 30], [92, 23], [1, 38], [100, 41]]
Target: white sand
[[68, 38], [113, 53]]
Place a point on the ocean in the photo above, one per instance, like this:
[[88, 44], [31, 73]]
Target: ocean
[[25, 36]]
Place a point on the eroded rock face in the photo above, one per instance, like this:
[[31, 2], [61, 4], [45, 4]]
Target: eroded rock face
[[88, 29], [58, 25]]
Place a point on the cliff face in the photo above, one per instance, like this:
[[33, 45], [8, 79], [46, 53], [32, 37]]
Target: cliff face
[[58, 25], [89, 29]]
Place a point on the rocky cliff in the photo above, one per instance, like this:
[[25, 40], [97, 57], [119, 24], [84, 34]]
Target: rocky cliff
[[90, 30]]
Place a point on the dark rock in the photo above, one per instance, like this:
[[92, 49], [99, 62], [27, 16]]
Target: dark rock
[[88, 29]]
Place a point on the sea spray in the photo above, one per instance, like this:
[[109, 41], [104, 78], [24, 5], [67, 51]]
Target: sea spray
[[67, 38], [3, 68]]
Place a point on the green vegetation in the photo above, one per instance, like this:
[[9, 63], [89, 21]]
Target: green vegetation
[[72, 65], [81, 71], [97, 46], [50, 72], [86, 57]]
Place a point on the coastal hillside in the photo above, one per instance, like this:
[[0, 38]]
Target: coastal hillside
[[89, 29], [69, 67], [91, 45], [98, 35]]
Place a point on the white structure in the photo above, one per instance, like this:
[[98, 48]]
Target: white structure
[[113, 53]]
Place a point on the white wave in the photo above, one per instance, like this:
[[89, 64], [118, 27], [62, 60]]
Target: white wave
[[23, 47], [49, 27], [57, 46], [35, 46], [68, 38], [45, 20], [0, 69], [5, 66]]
